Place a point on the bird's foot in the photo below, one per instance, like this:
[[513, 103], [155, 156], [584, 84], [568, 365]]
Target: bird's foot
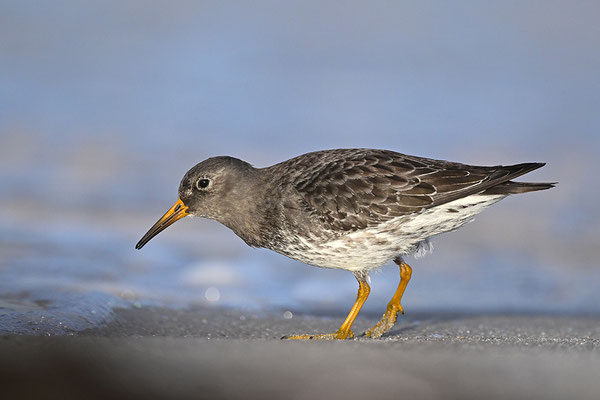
[[339, 335], [386, 323]]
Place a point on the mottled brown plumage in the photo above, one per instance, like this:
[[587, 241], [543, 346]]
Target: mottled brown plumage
[[351, 189]]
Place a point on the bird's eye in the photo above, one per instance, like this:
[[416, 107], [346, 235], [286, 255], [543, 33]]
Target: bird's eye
[[202, 183]]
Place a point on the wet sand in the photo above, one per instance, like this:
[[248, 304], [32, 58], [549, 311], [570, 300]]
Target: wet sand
[[215, 353]]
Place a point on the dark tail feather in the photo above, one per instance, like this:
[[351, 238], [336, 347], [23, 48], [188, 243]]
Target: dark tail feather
[[511, 187]]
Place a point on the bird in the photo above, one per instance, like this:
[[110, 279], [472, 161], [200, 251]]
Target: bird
[[349, 209]]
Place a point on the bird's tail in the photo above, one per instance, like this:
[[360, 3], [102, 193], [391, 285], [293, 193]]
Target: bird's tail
[[511, 187]]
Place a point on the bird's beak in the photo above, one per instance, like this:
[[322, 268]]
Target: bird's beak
[[178, 211]]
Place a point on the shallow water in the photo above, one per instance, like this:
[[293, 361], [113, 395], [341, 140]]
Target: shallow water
[[71, 280]]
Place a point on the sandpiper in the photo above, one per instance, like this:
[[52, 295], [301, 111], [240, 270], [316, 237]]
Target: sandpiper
[[352, 209]]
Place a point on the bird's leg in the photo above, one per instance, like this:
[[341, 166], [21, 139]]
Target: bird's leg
[[389, 317], [344, 332]]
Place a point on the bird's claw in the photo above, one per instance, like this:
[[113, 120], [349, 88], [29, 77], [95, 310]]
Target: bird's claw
[[386, 323]]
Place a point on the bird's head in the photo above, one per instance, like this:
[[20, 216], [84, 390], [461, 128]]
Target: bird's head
[[214, 188]]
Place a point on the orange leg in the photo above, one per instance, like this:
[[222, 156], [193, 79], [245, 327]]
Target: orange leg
[[344, 332], [389, 317]]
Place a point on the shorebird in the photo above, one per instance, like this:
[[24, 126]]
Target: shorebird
[[352, 209]]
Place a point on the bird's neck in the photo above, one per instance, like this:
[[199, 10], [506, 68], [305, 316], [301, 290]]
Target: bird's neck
[[245, 212]]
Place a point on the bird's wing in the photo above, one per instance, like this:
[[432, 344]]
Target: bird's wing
[[349, 190]]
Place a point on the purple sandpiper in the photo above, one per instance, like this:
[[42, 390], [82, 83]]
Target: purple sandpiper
[[352, 209]]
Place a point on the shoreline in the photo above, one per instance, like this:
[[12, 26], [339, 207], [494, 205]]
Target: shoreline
[[159, 353]]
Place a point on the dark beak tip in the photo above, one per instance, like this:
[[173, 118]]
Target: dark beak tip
[[144, 241], [140, 244]]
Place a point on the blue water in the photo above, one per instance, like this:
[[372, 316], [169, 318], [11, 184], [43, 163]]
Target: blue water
[[104, 106]]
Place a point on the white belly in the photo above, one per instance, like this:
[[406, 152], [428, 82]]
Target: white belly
[[372, 247]]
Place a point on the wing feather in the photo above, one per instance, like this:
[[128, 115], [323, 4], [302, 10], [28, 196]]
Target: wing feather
[[351, 189]]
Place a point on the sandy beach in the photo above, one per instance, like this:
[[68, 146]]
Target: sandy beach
[[214, 353]]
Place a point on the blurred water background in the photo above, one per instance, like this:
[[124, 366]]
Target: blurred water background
[[105, 105]]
